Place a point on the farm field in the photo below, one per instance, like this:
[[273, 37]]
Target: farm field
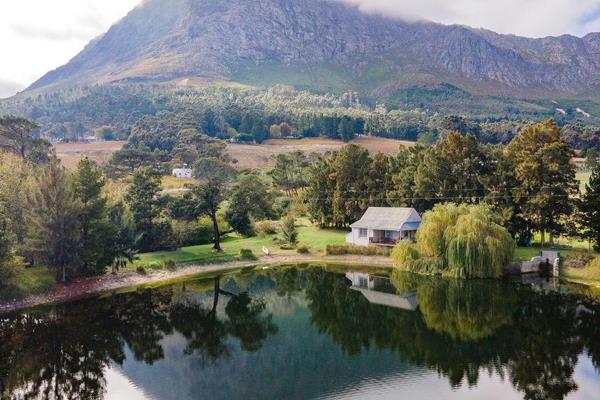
[[71, 153], [262, 155], [248, 155]]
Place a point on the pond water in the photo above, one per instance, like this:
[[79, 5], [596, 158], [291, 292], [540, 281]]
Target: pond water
[[308, 332]]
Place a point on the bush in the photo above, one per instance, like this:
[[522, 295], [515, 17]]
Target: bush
[[265, 228], [192, 233], [141, 270], [344, 249], [247, 254], [170, 264], [303, 249]]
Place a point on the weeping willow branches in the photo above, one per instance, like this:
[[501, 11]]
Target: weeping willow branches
[[458, 241]]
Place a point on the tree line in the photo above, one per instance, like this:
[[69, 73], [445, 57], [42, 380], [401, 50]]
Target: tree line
[[530, 183]]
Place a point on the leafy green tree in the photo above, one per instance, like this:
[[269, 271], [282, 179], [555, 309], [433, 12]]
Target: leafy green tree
[[545, 177], [289, 172], [53, 220], [346, 129], [16, 178], [6, 238], [127, 161], [350, 172], [208, 198], [452, 170], [378, 181], [588, 210], [403, 168], [250, 199], [319, 193], [95, 231], [6, 248], [16, 137]]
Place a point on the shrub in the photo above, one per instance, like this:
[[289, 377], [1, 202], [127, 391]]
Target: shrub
[[141, 270], [170, 264], [265, 228], [303, 249], [247, 254], [288, 228], [192, 233], [344, 249]]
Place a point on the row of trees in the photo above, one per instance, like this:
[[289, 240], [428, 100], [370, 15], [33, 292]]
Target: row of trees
[[530, 183]]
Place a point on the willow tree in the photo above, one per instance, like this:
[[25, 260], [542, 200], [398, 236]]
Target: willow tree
[[460, 241]]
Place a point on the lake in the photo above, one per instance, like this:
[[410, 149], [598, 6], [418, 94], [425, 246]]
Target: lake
[[310, 332]]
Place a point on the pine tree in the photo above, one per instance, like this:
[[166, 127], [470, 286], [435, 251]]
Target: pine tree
[[95, 231], [589, 210], [124, 242], [53, 217]]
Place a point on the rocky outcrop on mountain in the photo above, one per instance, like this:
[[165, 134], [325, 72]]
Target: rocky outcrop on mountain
[[329, 45]]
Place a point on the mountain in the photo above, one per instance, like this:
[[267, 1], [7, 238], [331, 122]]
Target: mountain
[[325, 45]]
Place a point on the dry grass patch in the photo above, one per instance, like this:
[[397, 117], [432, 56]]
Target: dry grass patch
[[262, 155], [71, 153]]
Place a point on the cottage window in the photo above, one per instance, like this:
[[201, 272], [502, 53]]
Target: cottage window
[[363, 233]]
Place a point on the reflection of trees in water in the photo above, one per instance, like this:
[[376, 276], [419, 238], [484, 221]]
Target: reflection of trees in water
[[63, 353], [464, 328], [461, 330]]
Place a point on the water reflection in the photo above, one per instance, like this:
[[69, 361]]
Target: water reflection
[[289, 326]]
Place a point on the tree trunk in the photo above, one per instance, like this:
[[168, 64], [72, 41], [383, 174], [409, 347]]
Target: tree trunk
[[543, 239], [551, 239], [217, 234], [64, 274], [216, 295]]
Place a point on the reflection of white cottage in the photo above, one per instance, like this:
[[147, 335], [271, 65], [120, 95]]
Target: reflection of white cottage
[[182, 173], [385, 226], [379, 290]]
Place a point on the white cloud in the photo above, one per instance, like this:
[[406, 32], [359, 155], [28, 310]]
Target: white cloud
[[39, 35], [532, 18]]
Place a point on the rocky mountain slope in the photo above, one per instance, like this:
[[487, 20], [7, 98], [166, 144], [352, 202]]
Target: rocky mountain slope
[[327, 46]]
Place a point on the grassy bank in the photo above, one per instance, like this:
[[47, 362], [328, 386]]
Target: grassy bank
[[588, 275], [314, 238], [28, 281]]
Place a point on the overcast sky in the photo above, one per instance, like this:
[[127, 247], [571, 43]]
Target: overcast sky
[[39, 35]]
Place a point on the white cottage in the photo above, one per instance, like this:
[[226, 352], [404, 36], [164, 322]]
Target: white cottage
[[182, 173], [385, 226]]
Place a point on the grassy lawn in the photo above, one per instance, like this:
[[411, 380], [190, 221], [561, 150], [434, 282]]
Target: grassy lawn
[[590, 275], [28, 281], [314, 238]]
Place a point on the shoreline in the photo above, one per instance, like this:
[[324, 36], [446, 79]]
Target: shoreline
[[89, 287]]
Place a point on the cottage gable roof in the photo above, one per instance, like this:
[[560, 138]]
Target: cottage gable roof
[[388, 218]]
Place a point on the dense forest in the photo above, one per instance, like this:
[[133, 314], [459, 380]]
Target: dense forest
[[248, 114]]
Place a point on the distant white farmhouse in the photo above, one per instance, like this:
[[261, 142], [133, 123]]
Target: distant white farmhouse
[[385, 226], [182, 173]]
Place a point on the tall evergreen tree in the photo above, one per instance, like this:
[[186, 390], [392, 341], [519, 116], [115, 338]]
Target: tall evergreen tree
[[545, 176], [53, 220], [124, 243], [588, 214], [142, 198], [95, 230]]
